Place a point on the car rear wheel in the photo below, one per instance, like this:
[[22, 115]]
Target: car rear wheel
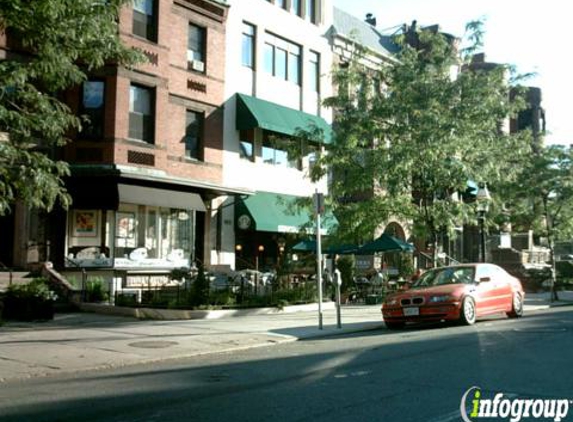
[[394, 325], [516, 306], [468, 311]]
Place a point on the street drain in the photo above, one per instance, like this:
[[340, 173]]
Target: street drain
[[153, 344]]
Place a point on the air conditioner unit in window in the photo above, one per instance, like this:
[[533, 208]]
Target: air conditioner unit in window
[[198, 65]]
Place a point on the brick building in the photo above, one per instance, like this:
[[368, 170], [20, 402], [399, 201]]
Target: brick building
[[147, 169]]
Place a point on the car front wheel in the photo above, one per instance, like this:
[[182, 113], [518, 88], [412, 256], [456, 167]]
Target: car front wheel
[[516, 306], [468, 311]]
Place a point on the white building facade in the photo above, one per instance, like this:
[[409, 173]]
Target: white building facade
[[278, 63]]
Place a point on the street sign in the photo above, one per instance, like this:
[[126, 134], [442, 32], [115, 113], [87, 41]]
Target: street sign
[[318, 203]]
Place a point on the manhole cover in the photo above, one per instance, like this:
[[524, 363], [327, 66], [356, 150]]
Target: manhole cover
[[153, 344], [540, 330]]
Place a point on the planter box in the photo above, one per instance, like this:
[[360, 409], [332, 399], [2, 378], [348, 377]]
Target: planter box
[[27, 309]]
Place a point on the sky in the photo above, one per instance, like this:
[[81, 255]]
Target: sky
[[531, 35]]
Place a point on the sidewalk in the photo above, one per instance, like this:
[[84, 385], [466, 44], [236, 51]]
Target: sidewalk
[[85, 341]]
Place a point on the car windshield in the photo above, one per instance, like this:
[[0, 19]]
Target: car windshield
[[448, 275]]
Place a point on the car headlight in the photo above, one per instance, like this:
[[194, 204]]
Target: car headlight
[[440, 299]]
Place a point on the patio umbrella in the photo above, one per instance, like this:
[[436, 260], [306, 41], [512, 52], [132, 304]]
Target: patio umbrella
[[341, 249], [310, 246], [305, 246], [385, 243]]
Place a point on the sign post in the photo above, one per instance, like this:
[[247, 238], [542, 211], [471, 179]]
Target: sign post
[[318, 209], [337, 280]]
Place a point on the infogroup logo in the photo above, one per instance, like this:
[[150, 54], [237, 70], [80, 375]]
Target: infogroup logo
[[513, 409]]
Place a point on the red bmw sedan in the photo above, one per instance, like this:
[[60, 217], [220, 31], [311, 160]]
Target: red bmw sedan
[[462, 292]]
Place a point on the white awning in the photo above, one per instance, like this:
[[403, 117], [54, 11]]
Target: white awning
[[160, 197]]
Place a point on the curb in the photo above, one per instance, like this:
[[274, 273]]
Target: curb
[[187, 314]]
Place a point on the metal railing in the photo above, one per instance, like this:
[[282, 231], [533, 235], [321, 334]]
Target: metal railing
[[443, 258], [84, 276], [10, 272]]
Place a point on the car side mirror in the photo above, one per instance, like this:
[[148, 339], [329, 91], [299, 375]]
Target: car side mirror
[[484, 279]]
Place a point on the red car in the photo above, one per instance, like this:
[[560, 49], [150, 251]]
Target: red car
[[457, 293]]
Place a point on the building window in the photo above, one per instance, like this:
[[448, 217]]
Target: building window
[[196, 48], [311, 10], [269, 58], [148, 236], [145, 19], [93, 106], [281, 3], [193, 134], [314, 72], [276, 152], [246, 145], [296, 7], [248, 46], [142, 113], [282, 59]]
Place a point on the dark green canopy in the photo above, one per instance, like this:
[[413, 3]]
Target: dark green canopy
[[385, 243], [310, 246]]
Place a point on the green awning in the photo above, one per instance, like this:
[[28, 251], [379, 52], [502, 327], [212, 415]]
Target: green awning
[[254, 112], [272, 212]]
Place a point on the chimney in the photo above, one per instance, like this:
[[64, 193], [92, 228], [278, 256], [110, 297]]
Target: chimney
[[371, 19]]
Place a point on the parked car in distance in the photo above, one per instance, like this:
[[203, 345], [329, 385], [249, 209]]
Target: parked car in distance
[[456, 293]]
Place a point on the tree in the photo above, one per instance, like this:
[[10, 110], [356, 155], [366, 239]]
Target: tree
[[410, 135], [54, 45], [199, 294], [545, 203]]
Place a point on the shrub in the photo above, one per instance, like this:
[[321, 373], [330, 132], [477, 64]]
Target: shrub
[[95, 291], [222, 298], [199, 293], [126, 299], [179, 274], [29, 302]]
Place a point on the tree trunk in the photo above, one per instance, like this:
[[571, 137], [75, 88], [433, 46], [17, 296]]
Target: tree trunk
[[548, 226], [553, 291], [434, 249]]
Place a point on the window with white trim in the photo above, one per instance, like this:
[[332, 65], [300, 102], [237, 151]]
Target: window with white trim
[[142, 113], [314, 71], [145, 19], [282, 59], [248, 46], [311, 11]]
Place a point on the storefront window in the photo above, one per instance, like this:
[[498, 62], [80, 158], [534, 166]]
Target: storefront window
[[88, 244], [153, 237], [134, 236]]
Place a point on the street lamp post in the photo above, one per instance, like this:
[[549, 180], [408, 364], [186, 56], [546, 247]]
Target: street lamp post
[[483, 199]]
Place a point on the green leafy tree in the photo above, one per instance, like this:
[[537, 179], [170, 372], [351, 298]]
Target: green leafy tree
[[54, 45], [545, 202], [410, 135]]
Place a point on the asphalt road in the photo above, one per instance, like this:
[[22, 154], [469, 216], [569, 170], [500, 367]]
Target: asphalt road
[[418, 374]]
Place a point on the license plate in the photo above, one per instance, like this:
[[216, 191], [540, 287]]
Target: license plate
[[411, 311]]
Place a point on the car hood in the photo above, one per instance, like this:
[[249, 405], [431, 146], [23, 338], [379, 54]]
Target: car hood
[[447, 289]]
